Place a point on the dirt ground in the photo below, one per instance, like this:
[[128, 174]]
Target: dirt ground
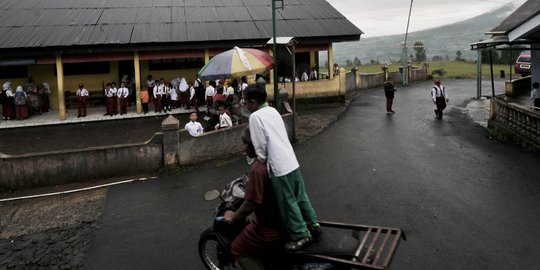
[[32, 230]]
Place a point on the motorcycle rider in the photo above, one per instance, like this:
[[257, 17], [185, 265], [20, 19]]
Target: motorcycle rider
[[266, 228]]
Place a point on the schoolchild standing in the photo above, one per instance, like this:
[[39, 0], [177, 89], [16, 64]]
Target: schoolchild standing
[[110, 99], [82, 94], [114, 90], [159, 91], [210, 92], [145, 98], [123, 93]]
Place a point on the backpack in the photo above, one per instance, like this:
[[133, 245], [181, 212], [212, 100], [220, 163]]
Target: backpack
[[20, 99]]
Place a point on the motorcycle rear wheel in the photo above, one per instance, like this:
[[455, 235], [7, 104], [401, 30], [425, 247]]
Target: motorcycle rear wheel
[[210, 251]]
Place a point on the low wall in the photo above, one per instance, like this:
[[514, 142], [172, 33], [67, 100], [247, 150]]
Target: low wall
[[515, 123], [517, 87], [211, 145], [374, 80], [314, 89], [61, 167]]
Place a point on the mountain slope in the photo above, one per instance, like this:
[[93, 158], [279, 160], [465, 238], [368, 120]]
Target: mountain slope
[[443, 41]]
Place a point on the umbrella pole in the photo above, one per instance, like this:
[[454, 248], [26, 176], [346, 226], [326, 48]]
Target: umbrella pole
[[276, 89], [294, 90]]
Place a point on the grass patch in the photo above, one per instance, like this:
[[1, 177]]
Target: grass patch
[[452, 69]]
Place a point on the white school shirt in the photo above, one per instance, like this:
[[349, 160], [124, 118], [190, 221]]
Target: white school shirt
[[159, 90], [225, 121], [438, 91], [123, 92], [230, 91], [194, 128], [210, 91], [109, 92], [82, 92], [271, 142], [174, 94], [243, 87]]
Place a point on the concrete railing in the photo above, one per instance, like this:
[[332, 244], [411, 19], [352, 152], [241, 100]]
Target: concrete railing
[[517, 87], [513, 122], [374, 80], [172, 146], [324, 88], [61, 167]]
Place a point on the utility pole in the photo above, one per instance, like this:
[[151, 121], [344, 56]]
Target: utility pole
[[405, 56], [277, 104]]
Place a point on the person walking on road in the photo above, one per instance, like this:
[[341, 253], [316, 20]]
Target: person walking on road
[[272, 145], [439, 96], [535, 96], [389, 91]]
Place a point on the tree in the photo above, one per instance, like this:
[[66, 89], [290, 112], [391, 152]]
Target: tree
[[509, 56], [436, 58], [419, 51], [357, 61], [349, 63], [494, 56], [458, 56]]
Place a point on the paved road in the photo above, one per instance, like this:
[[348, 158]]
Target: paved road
[[465, 202]]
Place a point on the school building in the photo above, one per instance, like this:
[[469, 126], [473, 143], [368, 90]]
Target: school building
[[67, 42]]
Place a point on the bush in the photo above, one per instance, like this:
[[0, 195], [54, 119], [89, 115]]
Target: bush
[[439, 72]]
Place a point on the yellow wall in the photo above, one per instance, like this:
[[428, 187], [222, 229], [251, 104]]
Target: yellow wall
[[313, 89], [168, 75]]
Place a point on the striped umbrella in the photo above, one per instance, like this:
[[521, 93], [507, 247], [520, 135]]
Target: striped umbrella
[[236, 62]]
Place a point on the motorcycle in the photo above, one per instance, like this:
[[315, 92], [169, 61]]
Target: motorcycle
[[340, 245]]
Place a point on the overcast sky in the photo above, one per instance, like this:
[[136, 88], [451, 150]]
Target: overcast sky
[[389, 17]]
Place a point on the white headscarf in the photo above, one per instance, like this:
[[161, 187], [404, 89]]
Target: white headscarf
[[183, 85], [47, 87], [19, 89], [7, 85]]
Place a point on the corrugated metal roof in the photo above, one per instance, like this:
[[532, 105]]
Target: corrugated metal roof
[[63, 23], [525, 12]]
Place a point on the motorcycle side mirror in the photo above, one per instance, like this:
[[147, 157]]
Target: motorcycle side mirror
[[211, 195]]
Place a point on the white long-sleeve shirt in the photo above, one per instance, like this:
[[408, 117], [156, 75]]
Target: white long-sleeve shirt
[[194, 128], [123, 92], [224, 121], [438, 91], [271, 142], [159, 90], [210, 91], [82, 92]]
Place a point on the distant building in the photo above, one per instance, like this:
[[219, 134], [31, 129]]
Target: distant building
[[65, 42], [520, 27]]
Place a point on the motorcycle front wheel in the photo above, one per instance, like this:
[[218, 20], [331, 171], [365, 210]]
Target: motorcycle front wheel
[[211, 252]]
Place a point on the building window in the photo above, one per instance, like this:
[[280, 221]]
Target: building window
[[179, 63], [86, 68], [9, 72]]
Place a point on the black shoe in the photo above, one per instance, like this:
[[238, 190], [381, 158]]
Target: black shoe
[[315, 231], [299, 244]]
